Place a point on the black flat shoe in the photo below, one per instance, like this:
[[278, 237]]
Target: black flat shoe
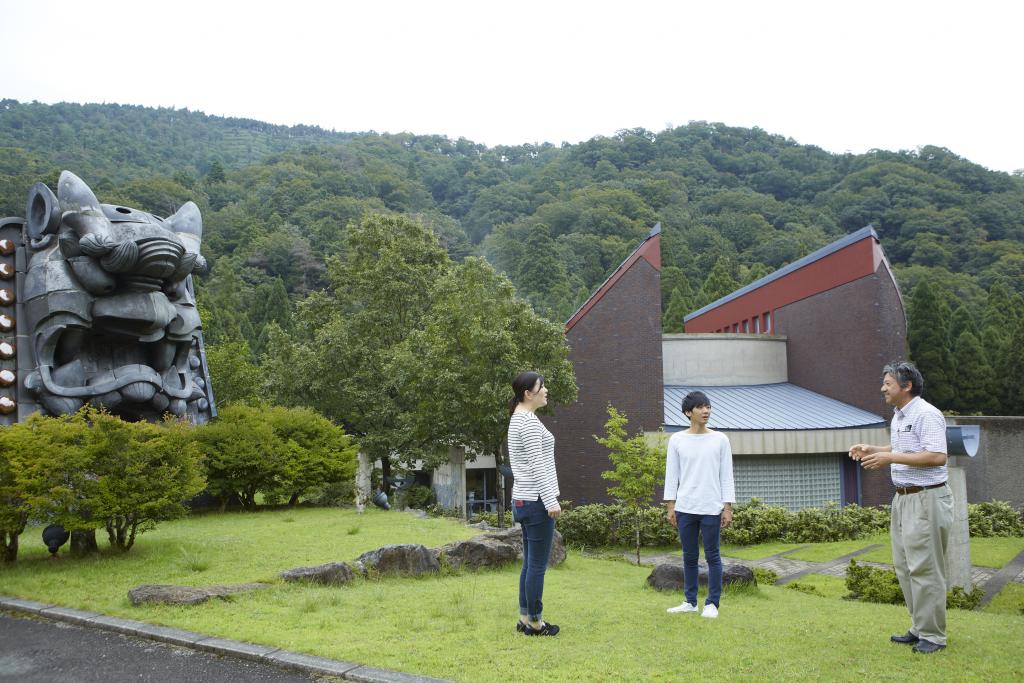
[[926, 647], [907, 638], [520, 627], [545, 630]]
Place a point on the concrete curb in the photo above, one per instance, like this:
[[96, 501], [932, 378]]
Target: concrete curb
[[264, 654]]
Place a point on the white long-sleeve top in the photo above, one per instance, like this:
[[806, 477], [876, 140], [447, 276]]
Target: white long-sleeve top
[[698, 472], [531, 453]]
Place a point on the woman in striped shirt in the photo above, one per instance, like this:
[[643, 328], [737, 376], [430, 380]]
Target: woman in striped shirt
[[531, 453]]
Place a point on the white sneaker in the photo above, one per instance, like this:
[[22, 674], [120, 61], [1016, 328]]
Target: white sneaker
[[710, 611], [685, 607]]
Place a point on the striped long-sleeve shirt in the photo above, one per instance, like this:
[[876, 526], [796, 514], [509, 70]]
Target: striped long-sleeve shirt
[[531, 453]]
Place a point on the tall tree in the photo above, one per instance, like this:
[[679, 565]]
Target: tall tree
[[1011, 374], [458, 367], [974, 380], [679, 306], [381, 290], [927, 336], [719, 283]]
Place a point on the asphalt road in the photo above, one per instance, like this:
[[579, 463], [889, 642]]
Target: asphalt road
[[34, 650]]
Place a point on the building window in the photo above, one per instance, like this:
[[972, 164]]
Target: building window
[[767, 323], [746, 326], [735, 327], [790, 481], [757, 324]]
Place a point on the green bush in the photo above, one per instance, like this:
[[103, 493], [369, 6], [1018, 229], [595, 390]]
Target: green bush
[[765, 577], [871, 584], [419, 496], [491, 518], [93, 470], [281, 453], [600, 525], [755, 522], [994, 518]]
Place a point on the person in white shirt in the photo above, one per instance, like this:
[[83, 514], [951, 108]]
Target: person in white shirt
[[531, 454], [699, 493], [922, 509]]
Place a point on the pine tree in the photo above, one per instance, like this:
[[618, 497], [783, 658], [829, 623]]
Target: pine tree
[[679, 306], [974, 381], [719, 283], [962, 321], [1012, 378], [997, 307], [928, 338]]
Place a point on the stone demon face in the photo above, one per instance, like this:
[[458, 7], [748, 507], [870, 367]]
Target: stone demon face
[[108, 304]]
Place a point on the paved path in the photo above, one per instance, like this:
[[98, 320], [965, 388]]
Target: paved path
[[26, 650], [34, 650], [1013, 571]]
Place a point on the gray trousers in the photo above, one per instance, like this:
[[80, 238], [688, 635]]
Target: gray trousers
[[920, 534]]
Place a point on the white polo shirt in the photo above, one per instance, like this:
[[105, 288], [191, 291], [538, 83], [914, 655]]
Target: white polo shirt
[[918, 426]]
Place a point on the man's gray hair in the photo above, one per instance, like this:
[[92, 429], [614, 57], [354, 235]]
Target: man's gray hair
[[905, 372]]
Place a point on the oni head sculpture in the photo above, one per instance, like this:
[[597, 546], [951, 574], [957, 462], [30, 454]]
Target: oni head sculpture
[[108, 305]]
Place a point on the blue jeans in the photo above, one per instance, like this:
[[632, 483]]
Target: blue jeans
[[538, 532], [710, 528]]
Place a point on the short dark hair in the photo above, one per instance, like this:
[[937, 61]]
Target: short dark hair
[[695, 399], [905, 372]]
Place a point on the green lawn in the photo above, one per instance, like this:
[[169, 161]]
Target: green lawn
[[824, 552], [985, 552], [1009, 601], [756, 552], [461, 626]]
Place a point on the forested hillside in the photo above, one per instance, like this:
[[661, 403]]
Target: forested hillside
[[734, 203]]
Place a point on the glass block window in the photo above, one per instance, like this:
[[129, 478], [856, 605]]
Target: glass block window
[[792, 482]]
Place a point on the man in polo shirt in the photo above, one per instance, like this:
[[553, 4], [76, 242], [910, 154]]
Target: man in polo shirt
[[922, 510]]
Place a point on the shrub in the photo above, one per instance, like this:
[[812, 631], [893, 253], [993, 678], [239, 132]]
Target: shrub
[[755, 522], [873, 585], [282, 453], [419, 496], [614, 525], [958, 598], [994, 518], [13, 515], [92, 469], [491, 518], [881, 585]]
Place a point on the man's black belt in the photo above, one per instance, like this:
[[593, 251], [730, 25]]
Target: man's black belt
[[903, 490]]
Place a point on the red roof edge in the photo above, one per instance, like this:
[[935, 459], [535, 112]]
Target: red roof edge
[[649, 250]]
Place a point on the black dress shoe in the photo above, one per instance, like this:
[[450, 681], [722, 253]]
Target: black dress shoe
[[926, 647], [907, 638]]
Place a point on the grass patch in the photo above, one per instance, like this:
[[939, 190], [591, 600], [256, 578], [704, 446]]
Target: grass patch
[[756, 552], [992, 552], [1010, 600], [461, 626], [823, 585], [824, 552]]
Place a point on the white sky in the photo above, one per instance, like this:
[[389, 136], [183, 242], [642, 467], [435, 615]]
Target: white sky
[[846, 76]]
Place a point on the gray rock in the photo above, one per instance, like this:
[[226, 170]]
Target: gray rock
[[669, 576], [155, 594], [409, 558], [478, 552], [330, 574], [514, 538]]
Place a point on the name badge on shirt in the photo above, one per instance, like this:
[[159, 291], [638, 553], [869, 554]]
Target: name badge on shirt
[[909, 428]]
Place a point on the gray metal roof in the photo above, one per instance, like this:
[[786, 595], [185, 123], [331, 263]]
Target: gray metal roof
[[766, 407], [840, 243]]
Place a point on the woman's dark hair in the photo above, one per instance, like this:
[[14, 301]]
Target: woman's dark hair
[[905, 373], [695, 399], [524, 381]]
